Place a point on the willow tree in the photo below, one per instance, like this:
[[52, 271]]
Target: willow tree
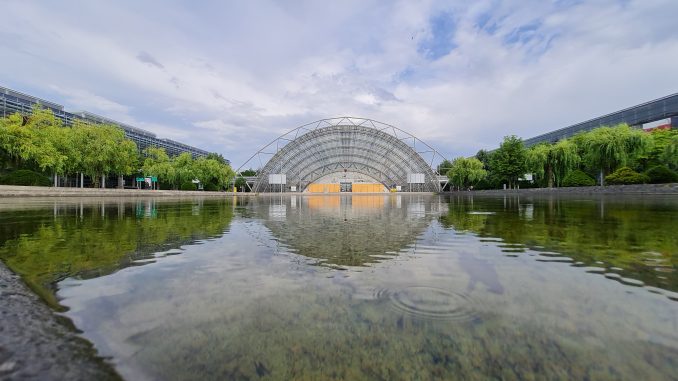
[[553, 161], [465, 172], [211, 171], [15, 139], [607, 148]]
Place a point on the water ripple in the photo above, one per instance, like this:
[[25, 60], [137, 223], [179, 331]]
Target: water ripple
[[431, 303]]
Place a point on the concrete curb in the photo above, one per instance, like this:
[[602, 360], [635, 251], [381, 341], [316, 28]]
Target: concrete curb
[[667, 189], [26, 191]]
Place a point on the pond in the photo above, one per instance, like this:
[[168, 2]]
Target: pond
[[383, 287]]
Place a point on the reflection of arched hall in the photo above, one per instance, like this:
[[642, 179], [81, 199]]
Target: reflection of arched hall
[[347, 230]]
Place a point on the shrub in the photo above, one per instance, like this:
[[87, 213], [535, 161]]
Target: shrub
[[578, 178], [26, 177], [626, 175], [526, 184], [211, 187], [489, 182], [187, 186], [661, 174]]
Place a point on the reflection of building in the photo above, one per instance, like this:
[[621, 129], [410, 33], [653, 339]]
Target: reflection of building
[[345, 230], [346, 155], [15, 102]]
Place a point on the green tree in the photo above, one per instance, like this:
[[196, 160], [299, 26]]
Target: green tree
[[509, 161], [485, 157], [465, 172], [183, 168], [157, 163], [218, 157], [553, 161], [444, 166], [659, 141], [669, 154], [212, 171], [126, 160], [608, 148], [47, 136], [104, 149], [15, 139]]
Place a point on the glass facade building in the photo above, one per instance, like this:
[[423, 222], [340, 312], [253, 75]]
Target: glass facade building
[[636, 116], [15, 102]]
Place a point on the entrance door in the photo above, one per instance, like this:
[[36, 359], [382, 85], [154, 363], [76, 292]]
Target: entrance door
[[345, 187]]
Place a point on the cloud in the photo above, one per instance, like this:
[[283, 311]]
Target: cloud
[[147, 58], [89, 101], [230, 77]]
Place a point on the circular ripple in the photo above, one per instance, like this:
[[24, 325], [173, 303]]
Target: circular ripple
[[432, 303]]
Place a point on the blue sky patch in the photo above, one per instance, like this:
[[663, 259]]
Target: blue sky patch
[[441, 40], [486, 23], [523, 34]]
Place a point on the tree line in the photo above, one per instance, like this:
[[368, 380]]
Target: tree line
[[605, 155], [178, 172], [40, 142]]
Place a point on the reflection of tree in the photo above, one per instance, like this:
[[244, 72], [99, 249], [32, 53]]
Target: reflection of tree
[[637, 236], [345, 230], [46, 245], [461, 216]]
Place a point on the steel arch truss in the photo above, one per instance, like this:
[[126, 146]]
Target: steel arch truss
[[381, 151]]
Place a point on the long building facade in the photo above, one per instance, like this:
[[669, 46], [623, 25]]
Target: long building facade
[[663, 109], [12, 101]]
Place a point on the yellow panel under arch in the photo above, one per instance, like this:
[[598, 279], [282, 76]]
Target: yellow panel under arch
[[323, 188], [368, 188]]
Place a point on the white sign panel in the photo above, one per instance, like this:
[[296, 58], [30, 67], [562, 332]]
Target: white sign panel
[[416, 178], [277, 178]]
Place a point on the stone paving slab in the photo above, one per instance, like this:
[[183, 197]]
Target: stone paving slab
[[37, 344]]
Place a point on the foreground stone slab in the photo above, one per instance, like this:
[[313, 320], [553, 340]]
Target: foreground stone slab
[[37, 344]]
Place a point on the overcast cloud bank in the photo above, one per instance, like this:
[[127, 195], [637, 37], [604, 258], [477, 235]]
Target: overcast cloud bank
[[231, 77]]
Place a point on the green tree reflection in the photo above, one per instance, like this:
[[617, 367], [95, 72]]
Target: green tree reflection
[[633, 236], [88, 240]]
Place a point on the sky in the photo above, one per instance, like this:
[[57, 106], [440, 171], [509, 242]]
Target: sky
[[231, 76]]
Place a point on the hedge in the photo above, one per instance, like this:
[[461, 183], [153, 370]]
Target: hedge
[[578, 178], [187, 186], [661, 174], [26, 177]]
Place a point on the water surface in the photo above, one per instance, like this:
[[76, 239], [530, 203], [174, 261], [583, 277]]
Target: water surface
[[394, 287]]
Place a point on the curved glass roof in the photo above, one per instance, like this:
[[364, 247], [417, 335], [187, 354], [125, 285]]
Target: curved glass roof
[[377, 150]]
